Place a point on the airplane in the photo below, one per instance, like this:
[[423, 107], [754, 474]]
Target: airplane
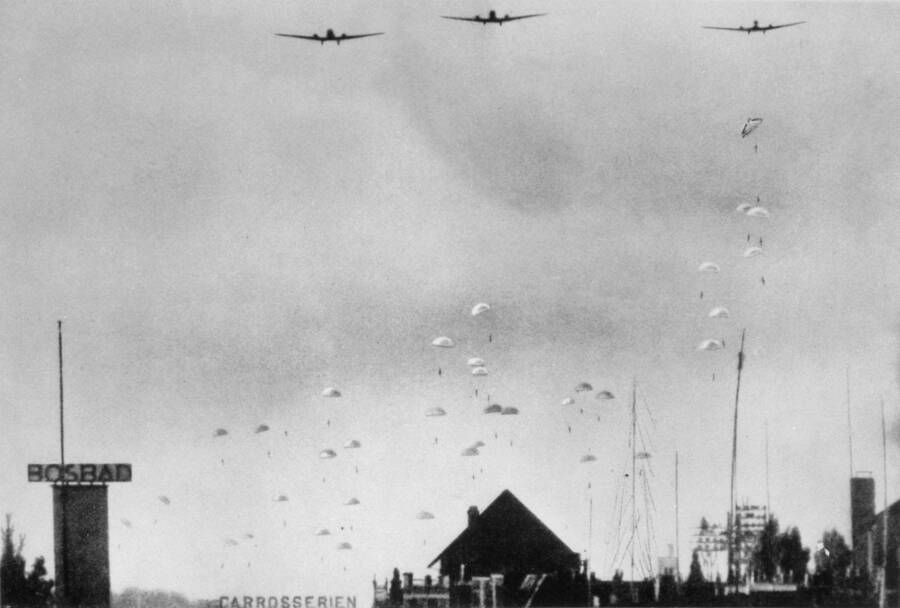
[[493, 18], [754, 28], [329, 37]]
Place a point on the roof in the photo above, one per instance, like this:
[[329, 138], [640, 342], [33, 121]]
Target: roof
[[506, 516]]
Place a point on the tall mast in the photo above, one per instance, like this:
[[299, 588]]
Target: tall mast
[[62, 436], [768, 502], [63, 497], [884, 523], [633, 474], [735, 534], [849, 426], [677, 544]]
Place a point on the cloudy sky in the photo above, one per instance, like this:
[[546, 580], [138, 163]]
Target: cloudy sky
[[228, 222]]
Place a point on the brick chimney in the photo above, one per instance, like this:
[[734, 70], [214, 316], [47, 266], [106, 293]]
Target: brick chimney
[[473, 515]]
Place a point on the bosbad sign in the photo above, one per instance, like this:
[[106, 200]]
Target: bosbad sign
[[80, 473]]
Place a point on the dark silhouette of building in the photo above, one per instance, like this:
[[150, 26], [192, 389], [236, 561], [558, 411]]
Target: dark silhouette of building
[[869, 556], [509, 540]]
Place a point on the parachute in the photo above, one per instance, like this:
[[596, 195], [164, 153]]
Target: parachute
[[708, 267], [744, 207], [231, 542], [480, 371], [281, 498], [351, 502], [435, 411], [323, 532], [476, 362], [443, 342], [472, 451], [750, 126], [583, 386], [164, 499], [220, 433], [510, 411], [758, 212], [711, 345], [126, 523], [588, 458], [478, 444], [262, 428], [752, 251], [719, 312], [642, 455], [331, 392], [567, 401], [327, 454], [480, 308], [493, 408], [605, 395], [353, 443], [424, 515], [344, 546]]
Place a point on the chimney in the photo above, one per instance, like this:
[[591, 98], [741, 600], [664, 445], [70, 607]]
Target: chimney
[[473, 515]]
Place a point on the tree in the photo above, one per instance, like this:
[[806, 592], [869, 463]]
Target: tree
[[17, 588], [793, 556], [695, 578], [396, 593], [766, 552], [840, 555]]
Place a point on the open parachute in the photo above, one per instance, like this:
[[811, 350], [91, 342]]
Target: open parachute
[[708, 267], [443, 342], [480, 308], [750, 126]]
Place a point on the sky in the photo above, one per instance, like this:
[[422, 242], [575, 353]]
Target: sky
[[228, 222]]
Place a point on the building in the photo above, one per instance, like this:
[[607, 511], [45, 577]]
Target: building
[[506, 539], [870, 556], [712, 551]]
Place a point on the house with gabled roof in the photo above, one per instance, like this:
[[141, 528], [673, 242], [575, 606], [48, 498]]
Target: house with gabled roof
[[505, 539]]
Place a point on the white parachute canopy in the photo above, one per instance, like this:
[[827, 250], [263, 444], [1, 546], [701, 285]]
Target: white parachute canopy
[[711, 345], [473, 451], [708, 267], [323, 532], [327, 454], [480, 308], [443, 342], [480, 371], [719, 312], [353, 443], [351, 502], [750, 126], [424, 515], [331, 392], [758, 212], [752, 251], [567, 401], [435, 411], [475, 362], [510, 411], [744, 207], [588, 458], [493, 408], [583, 387], [605, 395]]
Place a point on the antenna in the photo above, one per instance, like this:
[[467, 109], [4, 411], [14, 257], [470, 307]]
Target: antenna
[[768, 502], [62, 435], [63, 498], [677, 544], [849, 425], [884, 524], [633, 476]]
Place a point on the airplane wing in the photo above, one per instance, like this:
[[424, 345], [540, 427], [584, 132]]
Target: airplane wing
[[360, 36], [316, 38], [731, 29], [775, 27], [522, 17], [475, 19]]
